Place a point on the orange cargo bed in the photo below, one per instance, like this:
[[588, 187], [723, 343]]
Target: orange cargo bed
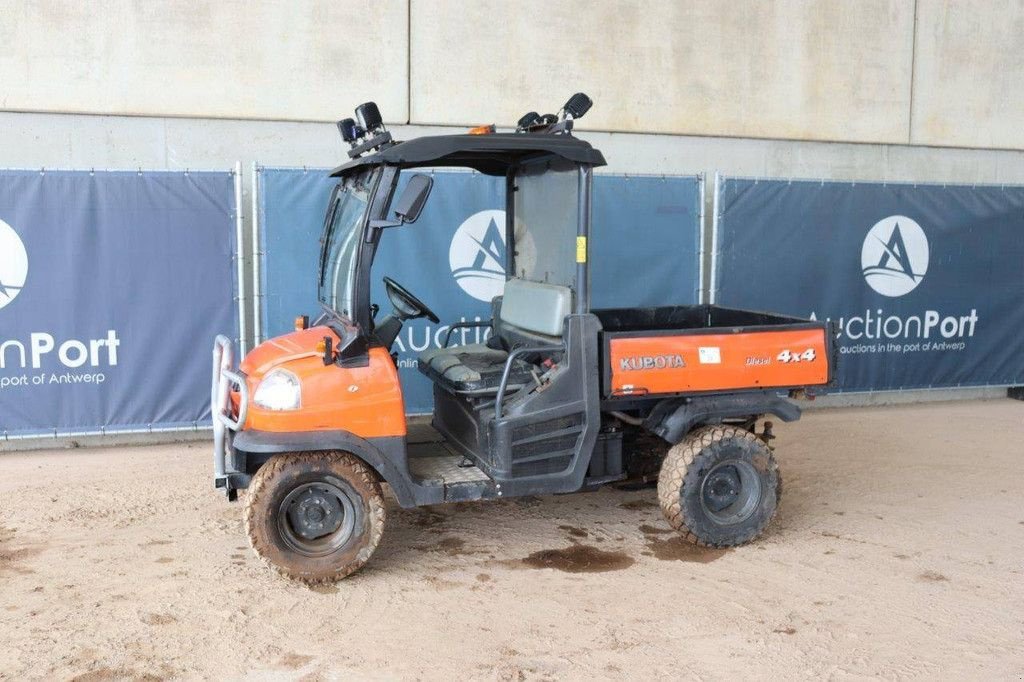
[[701, 349]]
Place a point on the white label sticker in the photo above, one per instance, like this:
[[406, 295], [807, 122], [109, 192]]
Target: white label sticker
[[710, 355]]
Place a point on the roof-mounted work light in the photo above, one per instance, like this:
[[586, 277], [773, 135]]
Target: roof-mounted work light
[[369, 117], [578, 105], [350, 132], [532, 122], [368, 124], [528, 119]]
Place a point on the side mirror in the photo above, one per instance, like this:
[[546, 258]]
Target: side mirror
[[413, 198], [407, 208]]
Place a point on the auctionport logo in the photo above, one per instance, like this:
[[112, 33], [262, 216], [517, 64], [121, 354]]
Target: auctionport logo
[[894, 258], [477, 255], [13, 264]]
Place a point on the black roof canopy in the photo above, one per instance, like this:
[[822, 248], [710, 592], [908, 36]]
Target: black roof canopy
[[490, 154]]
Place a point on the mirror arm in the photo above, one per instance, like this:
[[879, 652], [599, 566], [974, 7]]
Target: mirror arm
[[381, 224], [377, 225]]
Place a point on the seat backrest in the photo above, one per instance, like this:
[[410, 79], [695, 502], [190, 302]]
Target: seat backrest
[[535, 308]]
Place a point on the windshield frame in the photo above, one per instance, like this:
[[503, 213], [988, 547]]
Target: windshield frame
[[383, 179], [325, 296]]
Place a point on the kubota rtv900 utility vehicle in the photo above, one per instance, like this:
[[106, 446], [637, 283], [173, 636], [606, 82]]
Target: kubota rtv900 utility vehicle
[[556, 401]]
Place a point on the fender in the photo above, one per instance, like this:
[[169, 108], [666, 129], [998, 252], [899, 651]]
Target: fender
[[673, 419], [386, 456]]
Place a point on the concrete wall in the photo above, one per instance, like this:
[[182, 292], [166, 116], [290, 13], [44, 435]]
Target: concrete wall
[[969, 74], [927, 72], [830, 70], [295, 60], [84, 141]]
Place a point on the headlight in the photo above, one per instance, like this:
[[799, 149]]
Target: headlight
[[279, 390]]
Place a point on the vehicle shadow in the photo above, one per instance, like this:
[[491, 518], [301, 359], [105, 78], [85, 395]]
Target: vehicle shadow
[[508, 531]]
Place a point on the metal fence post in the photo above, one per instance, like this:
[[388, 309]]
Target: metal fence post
[[713, 281], [240, 261], [257, 254], [701, 250]]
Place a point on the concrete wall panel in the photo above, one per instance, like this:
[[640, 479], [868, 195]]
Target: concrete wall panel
[[969, 74], [118, 142], [822, 70], [302, 60]]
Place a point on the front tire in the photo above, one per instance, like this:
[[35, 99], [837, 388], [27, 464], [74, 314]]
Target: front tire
[[315, 517], [720, 486]]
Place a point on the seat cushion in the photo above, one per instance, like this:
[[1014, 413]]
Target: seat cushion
[[472, 370]]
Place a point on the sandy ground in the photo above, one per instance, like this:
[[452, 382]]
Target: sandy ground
[[898, 552]]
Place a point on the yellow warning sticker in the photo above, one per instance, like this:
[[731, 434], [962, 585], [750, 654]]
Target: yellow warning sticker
[[581, 249]]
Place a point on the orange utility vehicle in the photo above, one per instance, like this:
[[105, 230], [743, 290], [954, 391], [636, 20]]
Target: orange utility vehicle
[[561, 397]]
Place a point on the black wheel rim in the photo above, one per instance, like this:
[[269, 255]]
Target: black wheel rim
[[316, 519], [730, 492]]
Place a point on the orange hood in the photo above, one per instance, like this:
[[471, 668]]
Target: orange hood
[[365, 400], [284, 349]]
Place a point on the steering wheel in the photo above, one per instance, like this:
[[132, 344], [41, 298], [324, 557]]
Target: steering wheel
[[406, 305]]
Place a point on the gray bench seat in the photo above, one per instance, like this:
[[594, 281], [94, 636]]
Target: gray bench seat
[[531, 313], [472, 370]]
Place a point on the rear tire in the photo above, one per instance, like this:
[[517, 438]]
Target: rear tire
[[720, 486], [315, 517]]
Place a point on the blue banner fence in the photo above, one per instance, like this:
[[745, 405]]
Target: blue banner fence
[[925, 281], [113, 285], [645, 251]]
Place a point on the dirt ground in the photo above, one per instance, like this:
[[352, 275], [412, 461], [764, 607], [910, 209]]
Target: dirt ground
[[898, 552]]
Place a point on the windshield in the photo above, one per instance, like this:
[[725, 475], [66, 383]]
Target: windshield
[[546, 212], [341, 242]]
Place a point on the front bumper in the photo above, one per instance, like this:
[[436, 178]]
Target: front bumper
[[225, 422]]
